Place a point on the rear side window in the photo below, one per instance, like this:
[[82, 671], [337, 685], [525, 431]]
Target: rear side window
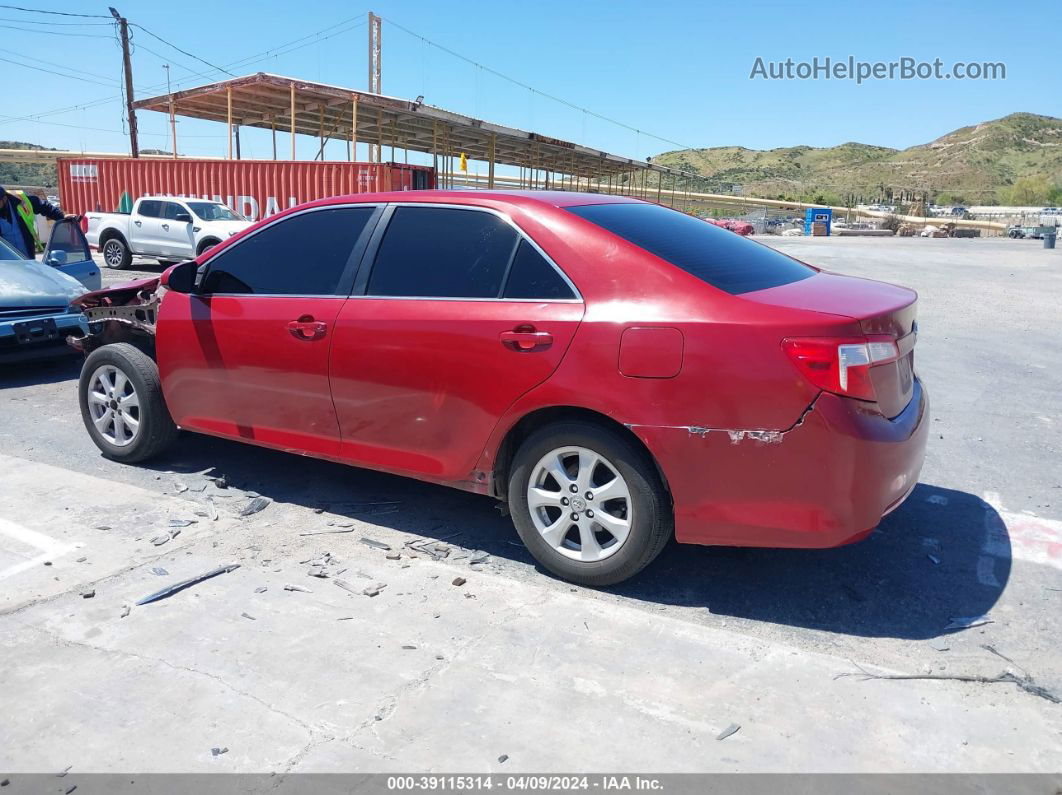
[[150, 208], [441, 252], [305, 254], [714, 255], [531, 276]]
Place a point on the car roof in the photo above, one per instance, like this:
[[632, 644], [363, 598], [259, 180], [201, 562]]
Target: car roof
[[550, 198]]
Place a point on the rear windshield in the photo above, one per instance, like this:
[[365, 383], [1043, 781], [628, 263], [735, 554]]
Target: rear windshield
[[714, 255]]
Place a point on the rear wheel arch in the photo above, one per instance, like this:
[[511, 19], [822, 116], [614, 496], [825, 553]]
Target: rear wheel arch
[[551, 415]]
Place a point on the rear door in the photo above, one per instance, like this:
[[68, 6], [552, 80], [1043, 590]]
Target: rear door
[[144, 227], [247, 355], [69, 252], [455, 315]]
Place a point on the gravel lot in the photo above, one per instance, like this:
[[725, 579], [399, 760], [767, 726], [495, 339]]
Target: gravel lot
[[519, 664]]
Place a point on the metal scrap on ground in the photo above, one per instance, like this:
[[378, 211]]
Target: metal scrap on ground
[[180, 586], [255, 505]]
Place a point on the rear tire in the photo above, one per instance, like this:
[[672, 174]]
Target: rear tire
[[615, 522], [116, 253], [122, 405]]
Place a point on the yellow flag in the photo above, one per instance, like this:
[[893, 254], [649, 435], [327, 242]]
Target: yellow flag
[[464, 163]]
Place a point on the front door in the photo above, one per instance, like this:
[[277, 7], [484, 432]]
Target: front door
[[175, 232], [69, 252], [458, 317], [246, 356]]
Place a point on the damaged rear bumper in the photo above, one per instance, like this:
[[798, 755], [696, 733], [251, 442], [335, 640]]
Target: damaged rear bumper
[[824, 482]]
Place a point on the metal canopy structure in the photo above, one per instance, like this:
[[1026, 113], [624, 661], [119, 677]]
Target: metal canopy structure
[[299, 107]]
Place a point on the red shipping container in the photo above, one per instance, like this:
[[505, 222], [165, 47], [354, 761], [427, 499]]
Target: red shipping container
[[253, 188]]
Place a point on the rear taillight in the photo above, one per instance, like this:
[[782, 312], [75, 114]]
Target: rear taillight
[[841, 364]]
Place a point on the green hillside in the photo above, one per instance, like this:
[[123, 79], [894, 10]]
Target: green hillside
[[978, 164]]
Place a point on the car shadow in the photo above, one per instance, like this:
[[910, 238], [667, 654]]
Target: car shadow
[[52, 370], [943, 554]]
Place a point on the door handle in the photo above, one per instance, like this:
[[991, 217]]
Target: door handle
[[306, 328], [526, 339], [137, 223], [165, 226]]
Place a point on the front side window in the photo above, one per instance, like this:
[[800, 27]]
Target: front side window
[[304, 254], [442, 252], [714, 255], [170, 210]]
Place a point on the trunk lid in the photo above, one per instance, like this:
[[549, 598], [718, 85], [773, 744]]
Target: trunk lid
[[881, 310]]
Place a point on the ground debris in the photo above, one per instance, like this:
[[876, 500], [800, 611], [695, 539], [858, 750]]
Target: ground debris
[[181, 522], [328, 532], [965, 622], [126, 609], [180, 586], [731, 729], [502, 758], [255, 505], [1024, 682], [88, 594], [297, 588], [459, 581], [261, 589], [161, 572], [318, 571], [374, 589], [371, 542], [181, 488], [218, 751], [393, 556], [248, 616]]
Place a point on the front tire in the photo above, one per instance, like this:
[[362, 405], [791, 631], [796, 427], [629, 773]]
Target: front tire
[[122, 406], [588, 503], [116, 254]]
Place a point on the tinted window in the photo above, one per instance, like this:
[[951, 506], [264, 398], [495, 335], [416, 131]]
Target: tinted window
[[714, 255], [531, 276], [442, 253], [305, 254], [170, 210], [150, 208]]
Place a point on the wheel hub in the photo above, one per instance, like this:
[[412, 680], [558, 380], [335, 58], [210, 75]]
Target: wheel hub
[[580, 503]]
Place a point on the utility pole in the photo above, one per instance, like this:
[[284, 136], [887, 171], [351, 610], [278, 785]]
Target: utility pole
[[375, 37], [173, 118], [123, 29]]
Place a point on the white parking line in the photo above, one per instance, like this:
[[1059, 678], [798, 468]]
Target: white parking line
[[50, 548]]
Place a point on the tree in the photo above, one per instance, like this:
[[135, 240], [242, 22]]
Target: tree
[[1027, 191]]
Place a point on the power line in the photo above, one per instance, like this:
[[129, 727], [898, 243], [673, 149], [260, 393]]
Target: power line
[[55, 13], [56, 32], [53, 24], [280, 49], [185, 52], [532, 89]]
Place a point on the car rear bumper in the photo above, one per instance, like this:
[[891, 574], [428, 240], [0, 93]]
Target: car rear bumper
[[825, 482], [31, 338]]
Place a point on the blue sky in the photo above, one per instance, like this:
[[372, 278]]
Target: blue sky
[[678, 70]]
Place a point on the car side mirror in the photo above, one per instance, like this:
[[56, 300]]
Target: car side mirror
[[181, 277], [56, 258], [184, 218]]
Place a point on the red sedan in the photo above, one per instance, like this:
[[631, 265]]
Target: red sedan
[[616, 371]]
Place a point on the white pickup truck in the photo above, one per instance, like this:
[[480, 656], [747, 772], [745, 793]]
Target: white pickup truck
[[167, 228]]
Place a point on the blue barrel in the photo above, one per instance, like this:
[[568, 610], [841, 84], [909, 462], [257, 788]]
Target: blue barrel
[[1049, 239]]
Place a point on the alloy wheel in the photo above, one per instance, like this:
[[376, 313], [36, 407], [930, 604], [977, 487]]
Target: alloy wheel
[[114, 405], [113, 253], [580, 503]]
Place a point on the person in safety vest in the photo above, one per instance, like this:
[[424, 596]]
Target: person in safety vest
[[18, 227]]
